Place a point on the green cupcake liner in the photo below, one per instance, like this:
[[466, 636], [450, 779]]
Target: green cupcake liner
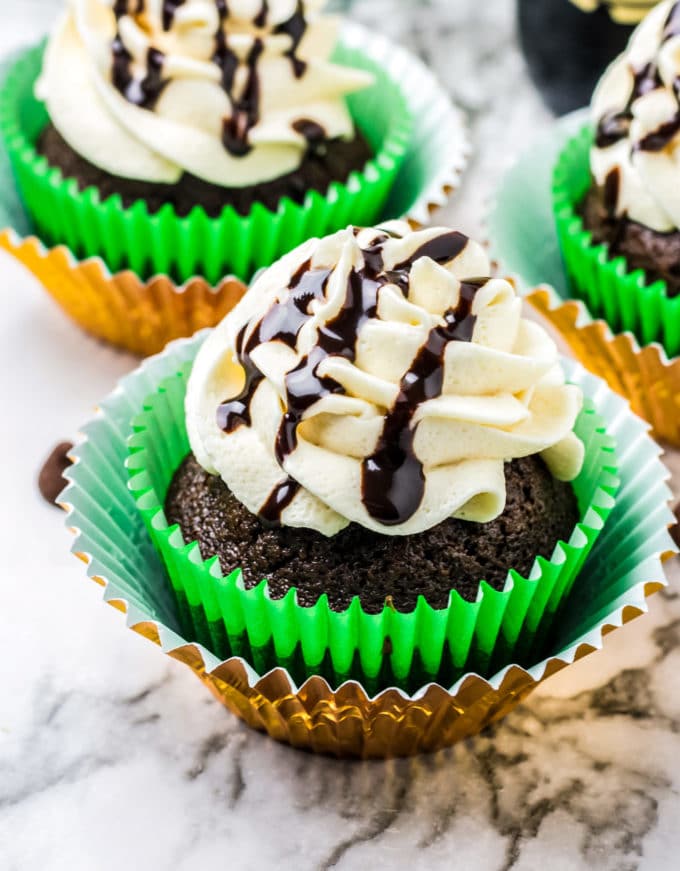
[[183, 247], [406, 649], [625, 299]]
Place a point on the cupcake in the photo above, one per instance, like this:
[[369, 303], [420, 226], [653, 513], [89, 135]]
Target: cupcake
[[376, 431], [199, 137], [619, 222]]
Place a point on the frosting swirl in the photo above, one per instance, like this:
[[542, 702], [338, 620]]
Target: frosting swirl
[[373, 377], [230, 92], [636, 110]]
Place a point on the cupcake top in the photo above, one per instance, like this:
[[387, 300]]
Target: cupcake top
[[377, 376], [229, 91], [636, 110]]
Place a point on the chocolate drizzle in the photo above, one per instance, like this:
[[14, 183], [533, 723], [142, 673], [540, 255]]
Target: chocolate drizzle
[[612, 185], [313, 132], [277, 502], [295, 28], [672, 26], [170, 7], [246, 109], [615, 126], [260, 19], [144, 91], [393, 480], [141, 92], [658, 139]]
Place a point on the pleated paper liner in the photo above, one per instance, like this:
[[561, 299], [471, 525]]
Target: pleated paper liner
[[406, 649], [644, 375], [138, 316], [524, 244], [348, 720], [625, 298], [183, 247]]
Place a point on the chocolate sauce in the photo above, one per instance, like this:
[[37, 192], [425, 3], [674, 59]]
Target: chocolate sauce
[[304, 387], [282, 322], [245, 110], [393, 481], [260, 19], [614, 126], [142, 92], [122, 7], [295, 28], [612, 185], [672, 27], [313, 132], [277, 502], [236, 412], [658, 139], [224, 57], [169, 9], [441, 249]]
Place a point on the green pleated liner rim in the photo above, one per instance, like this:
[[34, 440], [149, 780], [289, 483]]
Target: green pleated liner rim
[[427, 644], [623, 568], [624, 298], [183, 247]]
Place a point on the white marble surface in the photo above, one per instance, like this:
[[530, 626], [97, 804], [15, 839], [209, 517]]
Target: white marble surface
[[113, 757]]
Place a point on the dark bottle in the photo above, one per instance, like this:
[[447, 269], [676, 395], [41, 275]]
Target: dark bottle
[[568, 48]]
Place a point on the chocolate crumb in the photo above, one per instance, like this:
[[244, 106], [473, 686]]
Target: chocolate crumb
[[675, 528], [51, 480]]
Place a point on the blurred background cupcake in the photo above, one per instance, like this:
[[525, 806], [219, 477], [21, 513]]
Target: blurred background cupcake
[[616, 189], [159, 150], [198, 138]]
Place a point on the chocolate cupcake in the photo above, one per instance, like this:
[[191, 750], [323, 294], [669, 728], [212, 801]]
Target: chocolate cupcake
[[199, 103], [374, 430], [628, 204], [634, 204], [200, 137]]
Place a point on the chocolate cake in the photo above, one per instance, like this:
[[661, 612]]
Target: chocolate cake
[[657, 254], [326, 161], [379, 569]]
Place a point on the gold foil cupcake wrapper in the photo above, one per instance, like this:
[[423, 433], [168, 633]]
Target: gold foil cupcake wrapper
[[346, 721], [644, 376], [121, 309]]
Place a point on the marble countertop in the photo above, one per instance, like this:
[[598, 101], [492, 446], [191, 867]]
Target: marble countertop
[[112, 756]]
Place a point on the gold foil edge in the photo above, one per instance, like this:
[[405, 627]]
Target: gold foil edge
[[121, 309], [644, 376]]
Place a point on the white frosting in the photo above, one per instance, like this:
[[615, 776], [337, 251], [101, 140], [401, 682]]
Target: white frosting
[[182, 131], [648, 177], [502, 394]]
